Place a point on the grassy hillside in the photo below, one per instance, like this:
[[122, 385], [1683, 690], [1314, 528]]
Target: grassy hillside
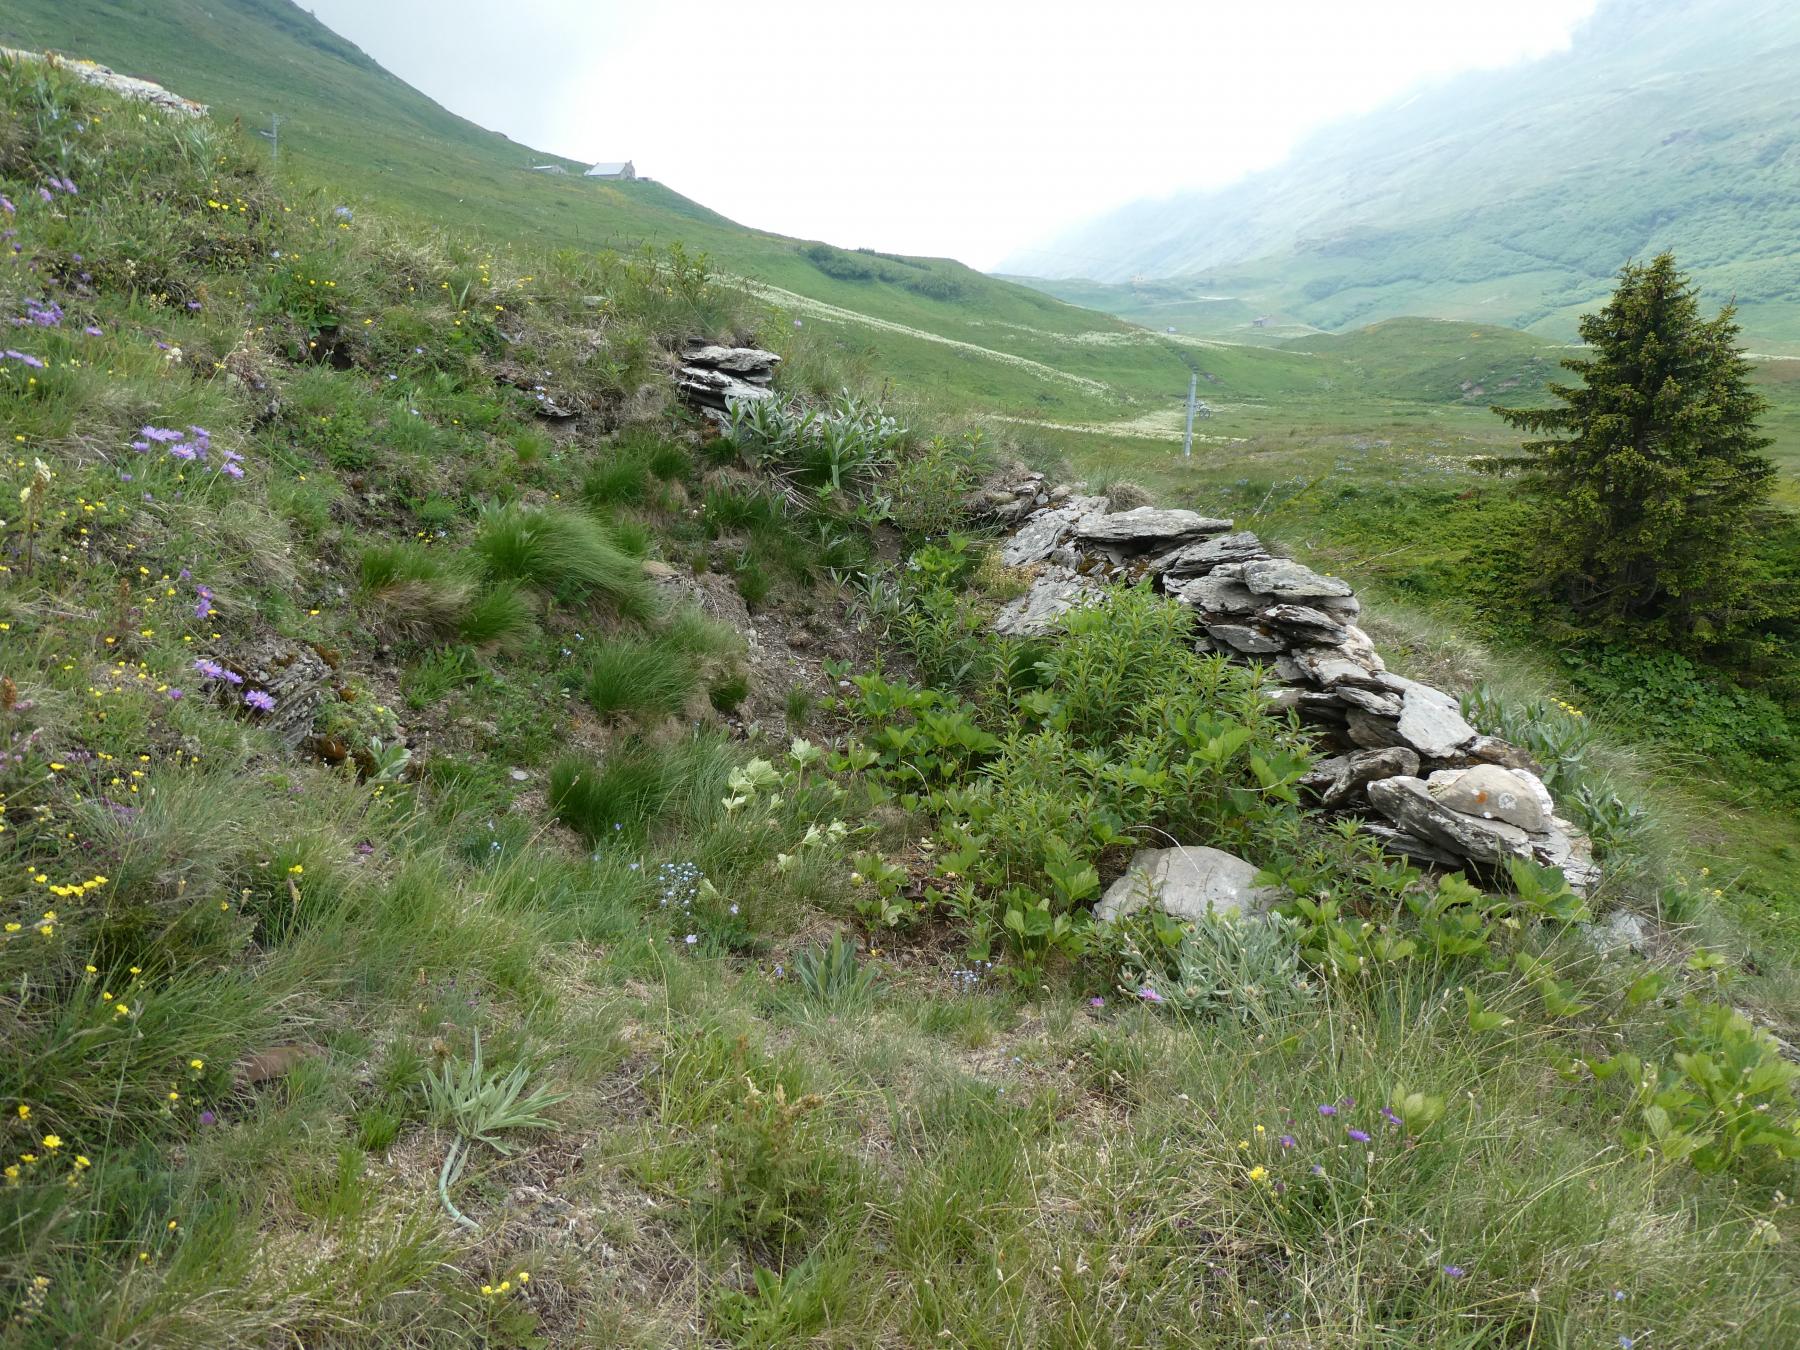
[[348, 123], [421, 928], [1511, 197]]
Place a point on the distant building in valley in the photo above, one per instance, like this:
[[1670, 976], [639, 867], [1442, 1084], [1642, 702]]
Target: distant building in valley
[[622, 171]]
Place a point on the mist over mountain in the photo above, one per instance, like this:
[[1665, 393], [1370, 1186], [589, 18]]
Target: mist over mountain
[[1510, 196]]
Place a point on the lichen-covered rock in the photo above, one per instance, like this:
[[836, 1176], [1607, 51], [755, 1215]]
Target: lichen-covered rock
[[1039, 536], [1288, 580], [1243, 638], [1147, 525], [1053, 594], [1431, 722], [1406, 802], [1188, 882], [1494, 793], [1197, 559], [1216, 596]]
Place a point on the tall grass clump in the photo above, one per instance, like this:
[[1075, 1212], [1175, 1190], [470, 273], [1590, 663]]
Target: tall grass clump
[[501, 616], [623, 795], [418, 592], [568, 555], [640, 677]]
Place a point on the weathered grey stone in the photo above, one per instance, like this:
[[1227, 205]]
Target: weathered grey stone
[[1410, 845], [1406, 802], [1306, 623], [1053, 594], [1620, 931], [1288, 580], [1188, 882], [1283, 698], [1039, 536], [1200, 558], [1432, 725], [1242, 638], [1372, 732], [1341, 778], [746, 361], [1215, 595], [1493, 750], [717, 390], [1570, 852], [1147, 525], [1369, 700], [1319, 707], [1286, 669], [1491, 792]]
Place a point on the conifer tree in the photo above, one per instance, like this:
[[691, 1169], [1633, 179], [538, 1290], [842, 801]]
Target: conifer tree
[[1646, 475]]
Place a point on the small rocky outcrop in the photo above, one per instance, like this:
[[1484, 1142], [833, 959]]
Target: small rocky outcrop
[[1188, 882], [1400, 753], [712, 377]]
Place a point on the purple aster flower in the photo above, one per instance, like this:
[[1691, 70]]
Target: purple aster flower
[[1096, 1002], [184, 451], [209, 669], [175, 695], [6, 204], [1328, 1110], [1288, 1141], [44, 192], [204, 608], [260, 701], [25, 358], [193, 304], [208, 1118], [184, 575], [1455, 1272], [1149, 995], [1388, 1115], [1347, 1103], [233, 470], [162, 435], [1358, 1136], [92, 330]]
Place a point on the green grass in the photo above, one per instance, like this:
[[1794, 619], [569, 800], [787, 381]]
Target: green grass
[[639, 677], [303, 942]]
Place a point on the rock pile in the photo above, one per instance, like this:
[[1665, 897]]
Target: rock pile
[[1406, 760], [712, 377]]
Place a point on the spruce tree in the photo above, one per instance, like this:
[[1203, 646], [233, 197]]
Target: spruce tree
[[1647, 473]]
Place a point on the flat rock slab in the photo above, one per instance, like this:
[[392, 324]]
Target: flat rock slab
[[1040, 535], [1216, 595], [1039, 610], [1147, 525], [1407, 802], [1286, 579], [736, 360], [1186, 882], [1431, 723], [1243, 638], [1198, 559]]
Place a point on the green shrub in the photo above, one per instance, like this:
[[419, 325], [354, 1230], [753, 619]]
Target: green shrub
[[639, 677], [566, 554]]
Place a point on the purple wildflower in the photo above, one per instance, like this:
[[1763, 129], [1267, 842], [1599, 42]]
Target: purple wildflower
[[193, 304], [1387, 1114], [25, 358], [1149, 995], [92, 330], [233, 470], [184, 451], [1328, 1110], [691, 939], [204, 608], [1358, 1136], [1454, 1272], [1096, 1002], [6, 204], [44, 192], [175, 695], [208, 1118], [260, 701], [342, 213], [162, 435], [209, 668], [1288, 1141]]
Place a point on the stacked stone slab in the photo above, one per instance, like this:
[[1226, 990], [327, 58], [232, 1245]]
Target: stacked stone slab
[[712, 377], [1402, 756]]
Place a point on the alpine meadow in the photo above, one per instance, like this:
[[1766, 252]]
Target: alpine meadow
[[574, 773]]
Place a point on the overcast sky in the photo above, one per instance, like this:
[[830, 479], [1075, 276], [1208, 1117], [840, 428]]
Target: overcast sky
[[969, 128]]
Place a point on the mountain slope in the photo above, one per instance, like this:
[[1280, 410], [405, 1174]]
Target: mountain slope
[[1513, 196], [347, 122]]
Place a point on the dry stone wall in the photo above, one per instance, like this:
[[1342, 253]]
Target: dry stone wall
[[1400, 754]]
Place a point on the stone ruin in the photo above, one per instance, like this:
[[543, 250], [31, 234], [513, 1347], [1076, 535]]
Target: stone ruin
[[711, 377], [1402, 758]]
